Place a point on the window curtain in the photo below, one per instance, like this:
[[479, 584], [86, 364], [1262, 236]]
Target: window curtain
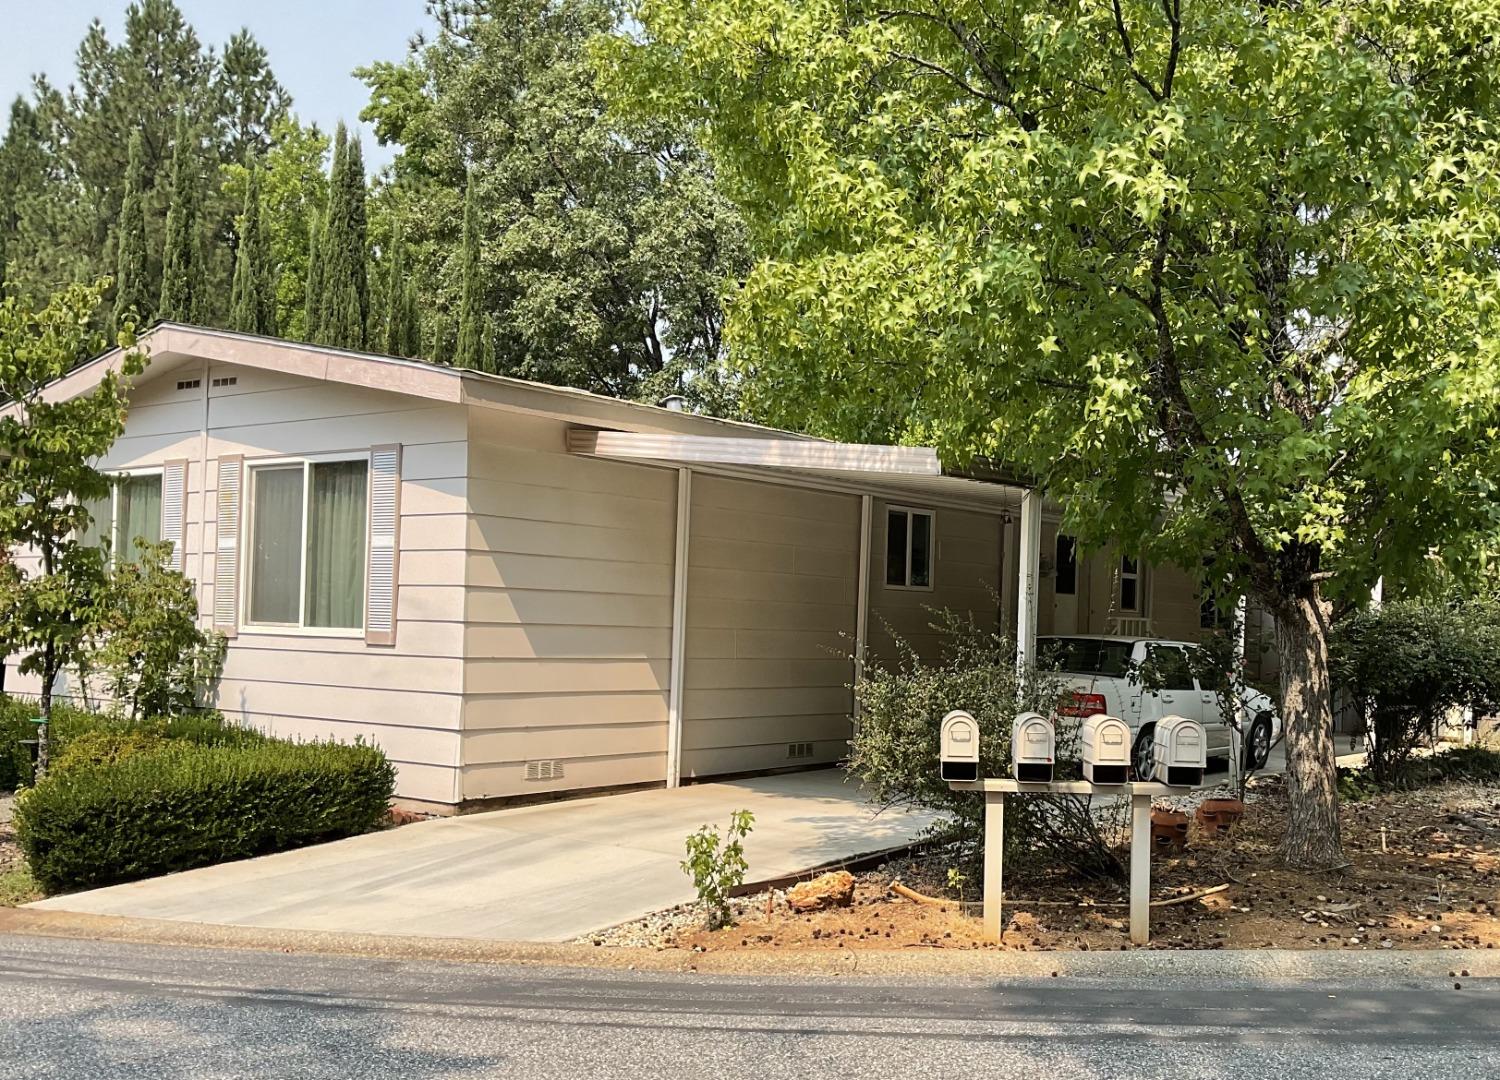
[[336, 544], [276, 545], [139, 515], [102, 512]]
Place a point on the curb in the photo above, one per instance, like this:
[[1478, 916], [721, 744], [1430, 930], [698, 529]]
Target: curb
[[1218, 965]]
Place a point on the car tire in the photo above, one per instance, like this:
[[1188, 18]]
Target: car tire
[[1141, 756], [1258, 743]]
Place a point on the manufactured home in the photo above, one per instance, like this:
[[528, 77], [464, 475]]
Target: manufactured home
[[521, 590]]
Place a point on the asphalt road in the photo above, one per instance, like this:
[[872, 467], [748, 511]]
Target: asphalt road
[[83, 1010]]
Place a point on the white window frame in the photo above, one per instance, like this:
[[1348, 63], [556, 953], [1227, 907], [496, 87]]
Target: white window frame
[[247, 528], [1138, 577], [158, 471], [911, 512]]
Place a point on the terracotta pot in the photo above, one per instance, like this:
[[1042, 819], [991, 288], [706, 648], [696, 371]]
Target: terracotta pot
[[1219, 815], [1169, 829]]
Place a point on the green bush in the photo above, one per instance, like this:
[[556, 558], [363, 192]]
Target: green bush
[[895, 749], [104, 748], [191, 804]]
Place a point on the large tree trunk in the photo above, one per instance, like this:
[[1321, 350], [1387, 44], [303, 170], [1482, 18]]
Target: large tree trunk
[[1312, 830]]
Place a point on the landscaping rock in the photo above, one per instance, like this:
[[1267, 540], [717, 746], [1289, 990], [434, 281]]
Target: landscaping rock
[[835, 889]]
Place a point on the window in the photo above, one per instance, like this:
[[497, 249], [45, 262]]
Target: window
[[1209, 617], [306, 542], [1171, 667], [131, 510], [1130, 585], [1087, 656], [1066, 580], [908, 548]]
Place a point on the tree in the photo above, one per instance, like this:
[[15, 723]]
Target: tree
[[51, 596], [343, 303], [607, 246], [181, 280], [1220, 277], [471, 316], [313, 292], [403, 331], [253, 304], [132, 303]]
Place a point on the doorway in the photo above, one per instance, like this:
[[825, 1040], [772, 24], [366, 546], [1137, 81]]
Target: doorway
[[1065, 582]]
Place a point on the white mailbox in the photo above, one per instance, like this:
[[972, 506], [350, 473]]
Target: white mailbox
[[1033, 745], [1106, 749], [1179, 751], [958, 747]]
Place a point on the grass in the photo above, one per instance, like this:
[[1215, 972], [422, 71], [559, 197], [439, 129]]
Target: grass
[[18, 887]]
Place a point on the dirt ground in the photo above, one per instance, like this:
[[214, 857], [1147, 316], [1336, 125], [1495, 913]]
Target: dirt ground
[[1424, 873]]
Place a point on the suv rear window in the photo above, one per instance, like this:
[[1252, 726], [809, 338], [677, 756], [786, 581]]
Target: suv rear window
[[1086, 656]]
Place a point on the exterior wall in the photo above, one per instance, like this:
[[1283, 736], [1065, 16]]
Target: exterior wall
[[568, 566], [404, 698], [771, 610], [966, 576]]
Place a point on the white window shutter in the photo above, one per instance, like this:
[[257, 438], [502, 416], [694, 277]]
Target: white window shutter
[[227, 545], [173, 510], [384, 546]]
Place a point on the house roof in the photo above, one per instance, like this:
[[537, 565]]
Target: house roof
[[699, 440]]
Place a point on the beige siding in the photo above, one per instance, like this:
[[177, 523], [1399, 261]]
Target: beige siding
[[407, 698], [965, 579], [567, 639], [772, 577]]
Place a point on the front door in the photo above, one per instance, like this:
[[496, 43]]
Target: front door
[[1065, 595]]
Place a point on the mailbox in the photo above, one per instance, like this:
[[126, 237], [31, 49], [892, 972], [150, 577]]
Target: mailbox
[[1033, 745], [1106, 749], [958, 747], [1179, 751]]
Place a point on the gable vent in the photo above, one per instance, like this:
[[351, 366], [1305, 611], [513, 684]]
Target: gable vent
[[544, 770], [798, 750], [189, 384], [227, 380]]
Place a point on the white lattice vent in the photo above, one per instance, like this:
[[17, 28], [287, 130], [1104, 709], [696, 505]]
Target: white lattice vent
[[544, 770]]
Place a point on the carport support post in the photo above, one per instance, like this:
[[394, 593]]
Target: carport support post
[[1140, 869], [1028, 570], [679, 628], [994, 862]]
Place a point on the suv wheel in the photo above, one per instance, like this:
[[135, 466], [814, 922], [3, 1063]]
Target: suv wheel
[[1258, 743], [1141, 757]]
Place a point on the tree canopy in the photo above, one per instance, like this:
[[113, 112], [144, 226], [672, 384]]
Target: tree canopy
[[1223, 278]]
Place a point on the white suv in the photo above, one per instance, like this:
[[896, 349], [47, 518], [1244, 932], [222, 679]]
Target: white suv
[[1097, 668]]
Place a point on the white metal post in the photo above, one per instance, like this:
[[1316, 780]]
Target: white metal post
[[994, 862], [1140, 868], [1028, 572], [862, 604], [679, 627]]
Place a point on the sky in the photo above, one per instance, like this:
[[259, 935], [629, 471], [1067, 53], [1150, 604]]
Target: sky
[[313, 45]]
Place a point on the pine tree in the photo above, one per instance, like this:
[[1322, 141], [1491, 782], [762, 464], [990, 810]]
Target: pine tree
[[344, 308], [253, 304], [180, 261], [132, 296], [471, 347]]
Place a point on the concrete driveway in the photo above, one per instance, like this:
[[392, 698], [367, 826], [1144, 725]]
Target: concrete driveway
[[538, 873]]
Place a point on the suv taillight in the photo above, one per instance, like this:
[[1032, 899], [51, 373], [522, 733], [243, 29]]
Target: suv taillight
[[1083, 705]]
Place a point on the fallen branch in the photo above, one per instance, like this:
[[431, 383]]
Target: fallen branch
[[912, 894]]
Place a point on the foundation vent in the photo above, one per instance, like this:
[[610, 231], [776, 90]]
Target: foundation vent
[[189, 384], [799, 750], [544, 770]]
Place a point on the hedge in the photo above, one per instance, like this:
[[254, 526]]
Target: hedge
[[191, 805], [207, 728]]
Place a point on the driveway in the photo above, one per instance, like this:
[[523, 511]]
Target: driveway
[[538, 873]]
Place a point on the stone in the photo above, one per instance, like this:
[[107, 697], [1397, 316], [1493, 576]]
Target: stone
[[834, 889]]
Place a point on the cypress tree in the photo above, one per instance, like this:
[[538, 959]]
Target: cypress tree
[[131, 300], [470, 352], [180, 262], [396, 294], [313, 299], [345, 303], [411, 321], [253, 307]]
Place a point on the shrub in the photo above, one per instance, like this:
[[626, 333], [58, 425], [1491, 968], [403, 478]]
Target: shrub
[[191, 804], [105, 747], [1408, 664], [717, 865], [895, 748], [16, 728]]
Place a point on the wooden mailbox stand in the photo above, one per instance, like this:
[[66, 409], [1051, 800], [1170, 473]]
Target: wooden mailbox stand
[[1140, 795]]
